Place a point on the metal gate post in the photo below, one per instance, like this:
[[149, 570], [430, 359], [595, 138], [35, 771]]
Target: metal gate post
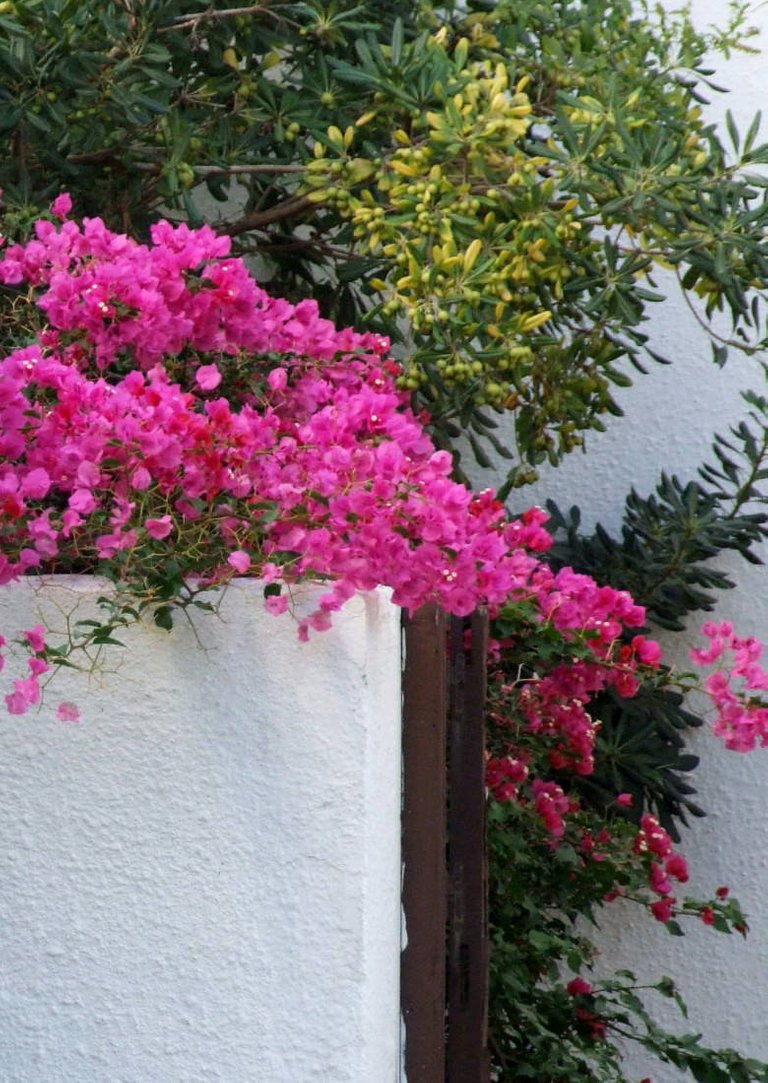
[[425, 709], [467, 1059], [445, 962]]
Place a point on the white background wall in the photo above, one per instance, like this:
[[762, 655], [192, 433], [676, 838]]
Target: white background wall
[[670, 418], [201, 881]]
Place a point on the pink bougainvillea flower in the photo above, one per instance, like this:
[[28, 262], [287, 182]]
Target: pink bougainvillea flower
[[278, 379], [67, 712], [658, 880], [677, 867], [276, 604], [61, 205], [663, 909], [35, 484], [141, 478], [647, 651], [652, 838], [16, 703], [159, 528], [26, 694], [208, 377], [239, 560], [36, 638]]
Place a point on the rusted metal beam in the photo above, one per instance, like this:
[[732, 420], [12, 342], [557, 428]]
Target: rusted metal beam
[[425, 709], [467, 1059]]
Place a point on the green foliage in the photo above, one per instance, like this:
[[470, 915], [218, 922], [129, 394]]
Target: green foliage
[[665, 557], [669, 538], [641, 749], [546, 897], [492, 184]]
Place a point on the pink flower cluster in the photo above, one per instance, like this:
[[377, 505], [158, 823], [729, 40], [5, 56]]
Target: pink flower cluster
[[551, 805], [595, 1024], [503, 776], [111, 298], [664, 865], [168, 406], [356, 489], [26, 690], [555, 705], [741, 719]]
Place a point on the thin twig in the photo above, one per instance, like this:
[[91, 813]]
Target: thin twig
[[203, 170], [181, 22], [271, 167], [95, 156], [224, 170], [299, 246], [289, 208], [736, 344]]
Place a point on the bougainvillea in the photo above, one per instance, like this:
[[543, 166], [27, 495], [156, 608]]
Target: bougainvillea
[[556, 860], [170, 414], [741, 719], [167, 423]]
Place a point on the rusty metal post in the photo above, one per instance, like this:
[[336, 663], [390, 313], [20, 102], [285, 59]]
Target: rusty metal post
[[467, 1059], [425, 709]]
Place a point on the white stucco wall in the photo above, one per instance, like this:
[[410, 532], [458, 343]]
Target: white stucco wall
[[201, 881], [670, 418]]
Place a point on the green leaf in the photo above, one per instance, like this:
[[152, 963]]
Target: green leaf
[[397, 42], [163, 617]]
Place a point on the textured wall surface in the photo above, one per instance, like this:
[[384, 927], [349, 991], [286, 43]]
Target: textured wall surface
[[670, 417], [201, 881]]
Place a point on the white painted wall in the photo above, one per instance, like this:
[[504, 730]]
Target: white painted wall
[[201, 882], [670, 418]]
